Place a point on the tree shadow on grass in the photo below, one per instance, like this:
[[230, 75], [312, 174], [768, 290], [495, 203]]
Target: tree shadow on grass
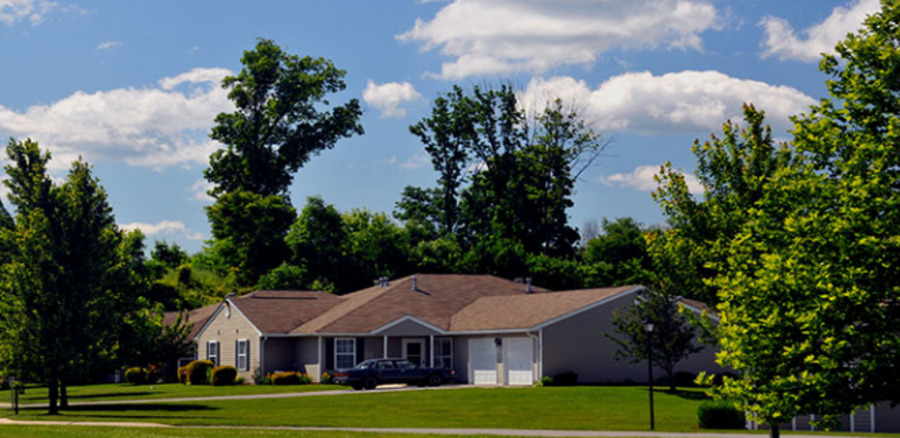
[[132, 411], [111, 395], [687, 395]]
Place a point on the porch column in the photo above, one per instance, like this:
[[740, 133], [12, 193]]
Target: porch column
[[319, 353], [384, 352], [431, 343]]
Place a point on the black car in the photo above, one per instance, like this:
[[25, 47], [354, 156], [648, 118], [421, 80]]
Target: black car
[[373, 372]]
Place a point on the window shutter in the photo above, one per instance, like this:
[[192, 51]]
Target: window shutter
[[237, 354]]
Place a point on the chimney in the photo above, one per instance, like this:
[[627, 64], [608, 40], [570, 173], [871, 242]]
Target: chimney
[[528, 288]]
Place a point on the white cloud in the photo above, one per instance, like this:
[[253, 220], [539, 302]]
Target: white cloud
[[504, 36], [420, 159], [389, 97], [153, 127], [783, 42], [165, 227], [687, 101], [34, 11], [641, 179], [108, 45], [200, 191]]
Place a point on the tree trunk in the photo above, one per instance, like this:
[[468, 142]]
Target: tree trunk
[[63, 396], [773, 432], [671, 376], [54, 393]]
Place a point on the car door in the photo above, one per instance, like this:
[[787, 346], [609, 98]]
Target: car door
[[387, 371]]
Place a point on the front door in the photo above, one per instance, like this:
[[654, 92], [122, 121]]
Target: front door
[[414, 351]]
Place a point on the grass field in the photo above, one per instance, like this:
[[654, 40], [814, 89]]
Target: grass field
[[568, 408], [129, 432], [125, 391]]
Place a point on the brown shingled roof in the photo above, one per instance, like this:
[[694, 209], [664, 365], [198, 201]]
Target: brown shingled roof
[[197, 317], [282, 311], [436, 299], [526, 311]]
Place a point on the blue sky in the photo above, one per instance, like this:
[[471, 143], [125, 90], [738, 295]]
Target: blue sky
[[133, 87]]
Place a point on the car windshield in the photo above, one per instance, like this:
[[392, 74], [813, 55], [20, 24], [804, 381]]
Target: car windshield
[[366, 364]]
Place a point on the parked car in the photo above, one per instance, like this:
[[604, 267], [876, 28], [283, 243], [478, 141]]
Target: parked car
[[373, 372]]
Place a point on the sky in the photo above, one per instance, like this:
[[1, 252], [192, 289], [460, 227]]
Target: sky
[[133, 86]]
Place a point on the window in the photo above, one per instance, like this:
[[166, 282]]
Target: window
[[242, 352], [443, 353], [212, 352], [344, 353]]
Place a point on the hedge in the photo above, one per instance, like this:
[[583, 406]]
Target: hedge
[[198, 372], [136, 375], [223, 375], [720, 414]]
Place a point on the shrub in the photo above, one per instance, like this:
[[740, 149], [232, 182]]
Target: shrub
[[568, 378], [183, 375], [720, 414], [223, 375], [546, 381], [136, 375], [198, 372], [685, 378], [326, 378], [290, 378], [286, 378], [239, 381]]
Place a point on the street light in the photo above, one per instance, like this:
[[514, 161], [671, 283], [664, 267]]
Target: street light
[[649, 327]]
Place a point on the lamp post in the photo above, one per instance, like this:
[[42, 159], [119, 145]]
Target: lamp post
[[649, 327]]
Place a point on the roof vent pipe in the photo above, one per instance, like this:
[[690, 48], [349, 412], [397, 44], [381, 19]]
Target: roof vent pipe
[[415, 286], [528, 288]]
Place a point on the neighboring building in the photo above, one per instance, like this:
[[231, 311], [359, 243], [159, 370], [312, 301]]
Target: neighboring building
[[489, 330]]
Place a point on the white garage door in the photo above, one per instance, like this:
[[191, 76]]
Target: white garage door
[[484, 361], [519, 358]]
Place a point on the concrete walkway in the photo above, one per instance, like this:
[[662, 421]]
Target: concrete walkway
[[420, 431]]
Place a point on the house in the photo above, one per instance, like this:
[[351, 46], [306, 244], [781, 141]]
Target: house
[[489, 330]]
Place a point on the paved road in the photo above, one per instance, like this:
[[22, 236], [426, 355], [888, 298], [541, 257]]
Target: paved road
[[495, 432]]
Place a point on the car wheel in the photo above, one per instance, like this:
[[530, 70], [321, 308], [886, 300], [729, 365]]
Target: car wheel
[[370, 382], [357, 387], [434, 380]]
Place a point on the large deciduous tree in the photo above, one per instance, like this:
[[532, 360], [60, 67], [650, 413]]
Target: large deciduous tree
[[65, 291], [281, 119], [809, 288], [733, 171]]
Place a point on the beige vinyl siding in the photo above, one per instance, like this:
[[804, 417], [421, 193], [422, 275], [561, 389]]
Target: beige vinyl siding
[[227, 330], [578, 344]]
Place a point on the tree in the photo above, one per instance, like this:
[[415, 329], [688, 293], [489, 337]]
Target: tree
[[672, 340], [521, 171], [447, 137], [317, 240], [733, 171], [809, 287], [619, 255], [281, 120], [64, 292]]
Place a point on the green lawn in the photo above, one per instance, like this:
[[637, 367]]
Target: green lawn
[[137, 432], [569, 408], [127, 391]]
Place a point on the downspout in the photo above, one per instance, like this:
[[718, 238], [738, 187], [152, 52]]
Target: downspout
[[431, 342]]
